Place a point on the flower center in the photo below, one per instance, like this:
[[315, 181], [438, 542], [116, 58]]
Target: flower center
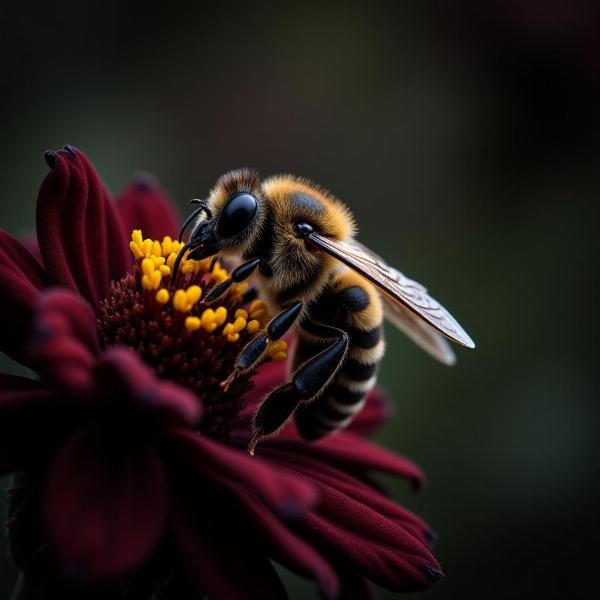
[[181, 338]]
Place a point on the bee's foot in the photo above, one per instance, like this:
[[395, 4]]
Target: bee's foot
[[226, 383]]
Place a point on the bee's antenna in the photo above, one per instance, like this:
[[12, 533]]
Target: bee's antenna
[[177, 262], [203, 207]]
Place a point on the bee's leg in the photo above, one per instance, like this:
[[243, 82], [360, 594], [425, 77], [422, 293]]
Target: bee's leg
[[253, 351], [238, 275], [309, 381]]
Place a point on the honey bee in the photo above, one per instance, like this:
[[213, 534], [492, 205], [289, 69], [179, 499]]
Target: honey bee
[[297, 240]]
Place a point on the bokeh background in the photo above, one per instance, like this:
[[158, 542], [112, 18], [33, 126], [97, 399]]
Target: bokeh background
[[465, 138]]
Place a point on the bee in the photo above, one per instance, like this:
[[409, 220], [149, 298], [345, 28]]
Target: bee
[[297, 240]]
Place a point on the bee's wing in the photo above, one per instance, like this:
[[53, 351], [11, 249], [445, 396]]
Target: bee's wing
[[425, 336], [414, 311]]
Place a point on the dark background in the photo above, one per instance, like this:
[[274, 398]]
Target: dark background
[[465, 138]]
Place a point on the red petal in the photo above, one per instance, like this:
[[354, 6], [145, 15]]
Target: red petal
[[65, 345], [31, 243], [21, 278], [378, 547], [288, 549], [323, 474], [106, 503], [81, 237], [281, 491], [121, 374], [221, 554], [26, 408], [349, 453], [375, 412], [143, 205]]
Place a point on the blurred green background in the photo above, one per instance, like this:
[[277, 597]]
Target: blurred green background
[[464, 136]]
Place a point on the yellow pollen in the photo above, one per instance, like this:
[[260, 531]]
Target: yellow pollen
[[277, 350], [147, 247], [193, 294], [136, 237], [171, 259], [239, 324], [167, 246], [188, 267], [155, 260], [192, 323], [220, 315], [162, 296], [136, 250], [253, 326]]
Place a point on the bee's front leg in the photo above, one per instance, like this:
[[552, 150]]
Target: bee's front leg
[[238, 275], [253, 351], [309, 381]]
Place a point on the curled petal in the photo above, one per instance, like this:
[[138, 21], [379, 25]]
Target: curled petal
[[322, 474], [288, 549], [106, 503], [221, 554], [21, 279], [122, 375], [285, 493], [381, 549], [349, 453], [81, 237], [64, 343], [143, 205], [31, 243]]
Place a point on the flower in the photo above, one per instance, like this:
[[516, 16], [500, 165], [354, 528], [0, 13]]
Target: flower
[[132, 471]]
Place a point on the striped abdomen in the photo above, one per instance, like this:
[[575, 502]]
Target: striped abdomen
[[352, 304]]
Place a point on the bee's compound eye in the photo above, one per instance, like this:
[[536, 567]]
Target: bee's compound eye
[[236, 215], [303, 230]]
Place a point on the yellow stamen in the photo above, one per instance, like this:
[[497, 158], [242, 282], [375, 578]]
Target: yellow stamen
[[277, 346], [152, 281], [147, 247], [220, 315], [167, 246], [188, 267], [193, 294], [136, 250], [180, 301], [234, 337], [162, 296], [240, 312], [136, 237], [239, 324], [192, 323], [253, 326], [147, 266]]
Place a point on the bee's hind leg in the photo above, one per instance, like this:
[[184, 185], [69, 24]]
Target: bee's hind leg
[[253, 351], [309, 381]]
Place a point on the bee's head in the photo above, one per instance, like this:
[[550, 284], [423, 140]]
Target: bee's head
[[232, 216]]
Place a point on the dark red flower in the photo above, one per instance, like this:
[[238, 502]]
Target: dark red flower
[[131, 462]]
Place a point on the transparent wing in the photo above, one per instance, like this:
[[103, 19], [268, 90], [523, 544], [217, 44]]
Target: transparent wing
[[425, 336], [415, 312]]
